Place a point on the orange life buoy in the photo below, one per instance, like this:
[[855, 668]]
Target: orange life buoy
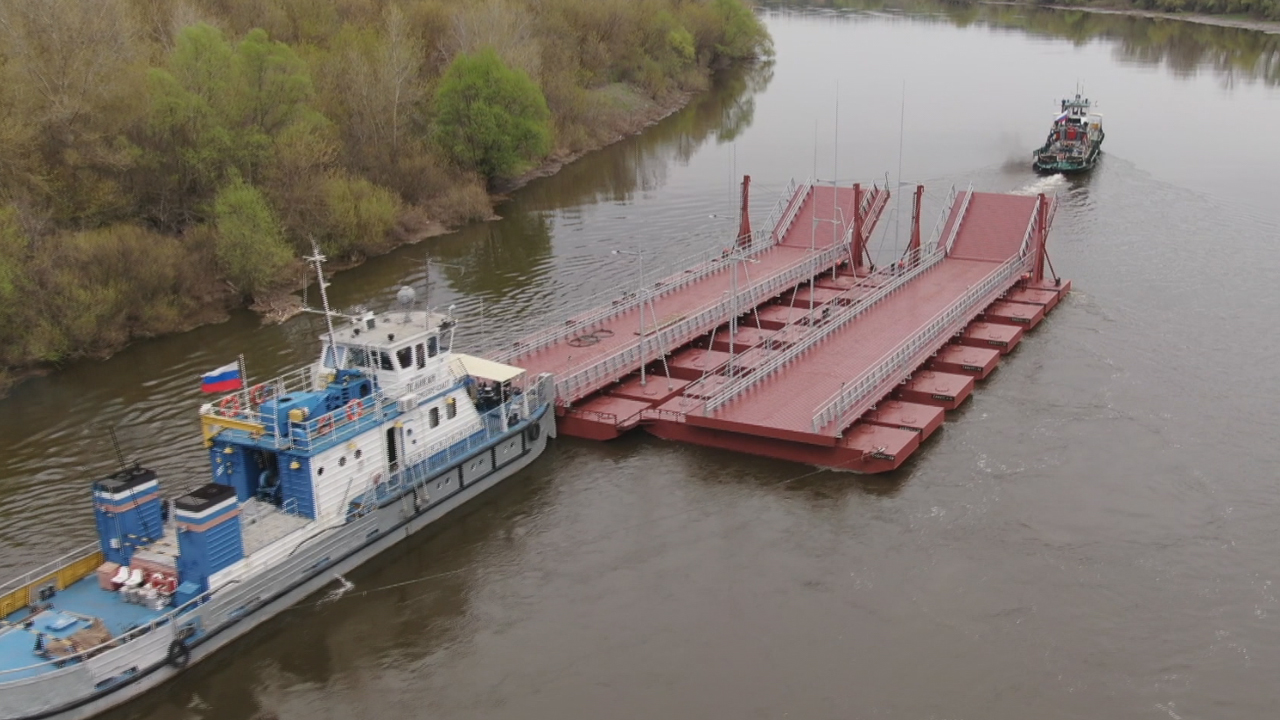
[[325, 424], [257, 394], [230, 404], [354, 410]]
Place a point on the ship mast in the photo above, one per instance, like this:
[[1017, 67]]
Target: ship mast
[[318, 260]]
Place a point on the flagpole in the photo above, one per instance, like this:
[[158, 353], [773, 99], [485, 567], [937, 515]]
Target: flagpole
[[244, 376]]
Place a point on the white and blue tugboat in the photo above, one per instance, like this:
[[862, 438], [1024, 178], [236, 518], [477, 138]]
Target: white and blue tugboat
[[313, 473]]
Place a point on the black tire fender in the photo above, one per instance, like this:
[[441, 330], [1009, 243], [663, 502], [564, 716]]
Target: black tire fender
[[533, 431], [179, 654]]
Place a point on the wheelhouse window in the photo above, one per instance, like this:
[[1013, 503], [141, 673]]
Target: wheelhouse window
[[334, 358], [384, 360], [433, 346], [405, 356], [422, 355]]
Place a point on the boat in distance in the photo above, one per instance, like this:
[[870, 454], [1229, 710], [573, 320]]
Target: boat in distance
[[1074, 142], [311, 474]]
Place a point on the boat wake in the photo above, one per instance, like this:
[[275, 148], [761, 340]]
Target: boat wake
[[1047, 185], [338, 592]]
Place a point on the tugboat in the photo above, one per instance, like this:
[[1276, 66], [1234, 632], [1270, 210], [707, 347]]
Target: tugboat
[[311, 474], [1074, 142]]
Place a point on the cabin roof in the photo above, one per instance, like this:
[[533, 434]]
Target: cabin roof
[[389, 329], [488, 369]]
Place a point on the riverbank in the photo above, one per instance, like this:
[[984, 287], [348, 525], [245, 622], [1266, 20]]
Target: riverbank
[[188, 161], [281, 304], [1271, 27], [217, 298]]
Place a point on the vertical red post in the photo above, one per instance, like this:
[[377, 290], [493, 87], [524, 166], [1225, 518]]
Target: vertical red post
[[1041, 236], [857, 249], [914, 247], [744, 220]]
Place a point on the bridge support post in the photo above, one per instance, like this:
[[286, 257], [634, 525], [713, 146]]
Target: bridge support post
[[858, 251], [913, 248], [1041, 236]]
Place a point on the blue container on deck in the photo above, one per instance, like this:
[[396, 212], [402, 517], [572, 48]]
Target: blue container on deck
[[127, 509], [209, 536]]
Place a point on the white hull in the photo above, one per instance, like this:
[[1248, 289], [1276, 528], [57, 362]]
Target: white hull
[[235, 611]]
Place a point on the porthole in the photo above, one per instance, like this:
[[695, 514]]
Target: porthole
[[319, 471], [342, 461], [359, 453]]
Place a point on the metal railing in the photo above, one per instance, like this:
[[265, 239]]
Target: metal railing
[[795, 202], [1031, 228], [955, 229], [779, 207], [242, 405], [858, 395], [886, 281], [586, 314], [48, 569], [594, 374], [941, 222]]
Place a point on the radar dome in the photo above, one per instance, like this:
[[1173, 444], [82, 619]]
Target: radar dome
[[406, 296]]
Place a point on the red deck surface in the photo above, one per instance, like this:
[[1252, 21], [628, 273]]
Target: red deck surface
[[774, 416], [966, 360], [784, 404], [810, 232], [984, 334], [923, 419], [1014, 313], [930, 387]]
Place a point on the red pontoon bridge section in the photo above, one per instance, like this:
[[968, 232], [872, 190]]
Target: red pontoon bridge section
[[812, 354]]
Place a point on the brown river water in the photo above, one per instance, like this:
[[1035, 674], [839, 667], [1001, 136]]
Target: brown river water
[[1093, 535]]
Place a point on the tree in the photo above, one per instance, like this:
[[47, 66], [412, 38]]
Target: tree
[[250, 245], [217, 108], [491, 118]]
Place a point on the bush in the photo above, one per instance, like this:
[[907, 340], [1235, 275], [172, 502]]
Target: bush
[[250, 245], [491, 118], [359, 214]]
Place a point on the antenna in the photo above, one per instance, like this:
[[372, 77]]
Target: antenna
[[897, 208], [835, 172], [318, 260], [115, 443]]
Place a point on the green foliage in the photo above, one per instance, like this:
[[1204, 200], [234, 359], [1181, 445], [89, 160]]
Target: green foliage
[[218, 108], [490, 118], [359, 215], [251, 249], [152, 150], [87, 292]]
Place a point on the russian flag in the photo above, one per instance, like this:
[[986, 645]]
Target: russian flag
[[224, 379], [1061, 117]]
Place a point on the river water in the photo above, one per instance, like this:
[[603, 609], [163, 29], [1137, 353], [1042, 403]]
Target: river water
[[1092, 535]]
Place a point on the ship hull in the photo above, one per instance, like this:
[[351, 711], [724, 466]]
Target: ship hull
[[254, 603], [1069, 167]]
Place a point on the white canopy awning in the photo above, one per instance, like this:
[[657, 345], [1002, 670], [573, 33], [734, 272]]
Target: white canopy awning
[[487, 369]]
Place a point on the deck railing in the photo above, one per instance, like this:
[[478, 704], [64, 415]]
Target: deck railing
[[941, 222], [594, 374], [886, 282], [1031, 229], [16, 594], [858, 395], [797, 199], [955, 229], [582, 316]]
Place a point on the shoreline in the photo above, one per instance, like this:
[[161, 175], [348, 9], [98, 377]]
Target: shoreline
[[1270, 27], [280, 305]]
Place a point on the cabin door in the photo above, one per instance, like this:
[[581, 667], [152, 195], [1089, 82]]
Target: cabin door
[[393, 450]]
